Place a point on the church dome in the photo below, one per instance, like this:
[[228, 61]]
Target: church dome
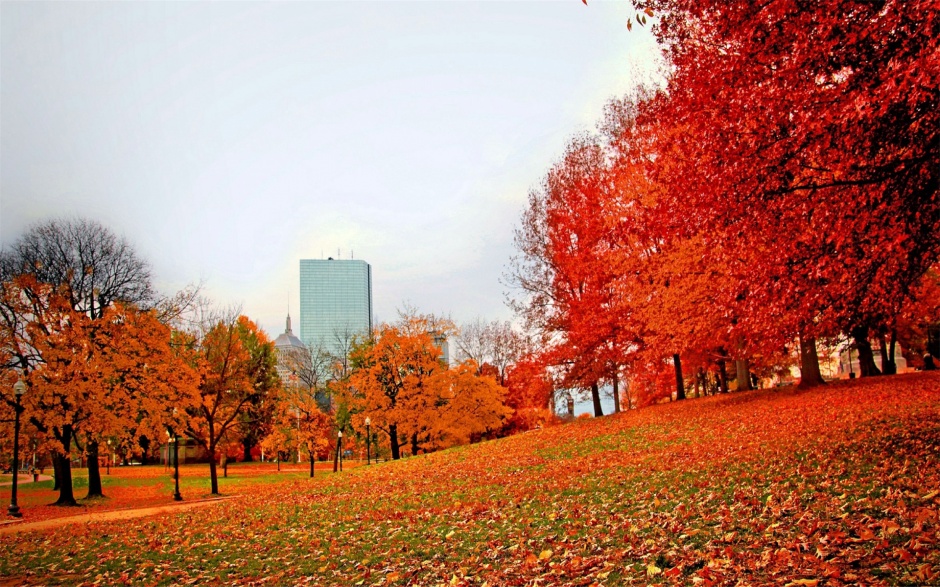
[[286, 340]]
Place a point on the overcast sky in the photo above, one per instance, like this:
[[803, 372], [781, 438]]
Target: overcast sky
[[227, 141]]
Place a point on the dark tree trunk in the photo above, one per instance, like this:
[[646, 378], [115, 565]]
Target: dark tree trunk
[[743, 375], [722, 372], [63, 474], [680, 383], [702, 380], [596, 398], [809, 363], [393, 440], [888, 366], [339, 444], [414, 444], [247, 445], [213, 473], [866, 358], [55, 474], [616, 394], [312, 460], [64, 469], [891, 349], [94, 472], [144, 443]]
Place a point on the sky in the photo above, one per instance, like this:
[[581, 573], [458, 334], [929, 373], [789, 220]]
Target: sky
[[228, 140]]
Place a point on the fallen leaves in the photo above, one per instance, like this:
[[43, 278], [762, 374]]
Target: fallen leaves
[[760, 488]]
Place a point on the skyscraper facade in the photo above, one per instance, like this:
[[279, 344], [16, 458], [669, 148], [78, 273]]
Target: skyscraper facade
[[335, 302]]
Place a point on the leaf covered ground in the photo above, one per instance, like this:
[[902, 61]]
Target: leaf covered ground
[[834, 486]]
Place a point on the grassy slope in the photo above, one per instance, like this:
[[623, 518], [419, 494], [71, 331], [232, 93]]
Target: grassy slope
[[837, 486]]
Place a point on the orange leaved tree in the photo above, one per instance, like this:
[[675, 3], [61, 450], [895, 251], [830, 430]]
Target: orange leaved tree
[[237, 368], [401, 384]]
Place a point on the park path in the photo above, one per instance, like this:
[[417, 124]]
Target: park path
[[17, 527], [23, 478]]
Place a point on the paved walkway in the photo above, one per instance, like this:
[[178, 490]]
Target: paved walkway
[[15, 527], [23, 478]]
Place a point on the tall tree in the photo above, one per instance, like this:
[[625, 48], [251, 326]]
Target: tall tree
[[390, 377], [237, 365]]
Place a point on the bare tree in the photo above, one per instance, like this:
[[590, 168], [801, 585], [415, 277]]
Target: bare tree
[[491, 343], [95, 265]]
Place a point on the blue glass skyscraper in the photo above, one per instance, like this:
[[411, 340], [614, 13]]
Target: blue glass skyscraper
[[335, 303]]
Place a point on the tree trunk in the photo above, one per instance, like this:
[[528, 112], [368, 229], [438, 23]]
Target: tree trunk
[[311, 464], [145, 445], [866, 358], [680, 383], [247, 445], [213, 473], [63, 469], [809, 363], [63, 475], [743, 375], [596, 398], [888, 366], [94, 472], [891, 349], [55, 474], [393, 441], [722, 372], [339, 444], [616, 393], [414, 444]]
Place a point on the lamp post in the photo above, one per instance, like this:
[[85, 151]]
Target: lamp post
[[368, 442], [176, 464], [19, 388], [109, 456], [339, 447]]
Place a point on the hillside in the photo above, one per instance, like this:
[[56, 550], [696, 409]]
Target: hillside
[[834, 486]]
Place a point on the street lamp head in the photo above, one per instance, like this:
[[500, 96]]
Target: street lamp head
[[368, 421], [339, 434], [19, 388]]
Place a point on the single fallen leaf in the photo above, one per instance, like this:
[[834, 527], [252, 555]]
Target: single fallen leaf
[[545, 555], [652, 570], [866, 534]]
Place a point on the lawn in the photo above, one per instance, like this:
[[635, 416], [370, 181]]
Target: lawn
[[835, 486]]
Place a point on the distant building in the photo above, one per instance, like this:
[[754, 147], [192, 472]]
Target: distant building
[[440, 341], [335, 303], [285, 344]]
